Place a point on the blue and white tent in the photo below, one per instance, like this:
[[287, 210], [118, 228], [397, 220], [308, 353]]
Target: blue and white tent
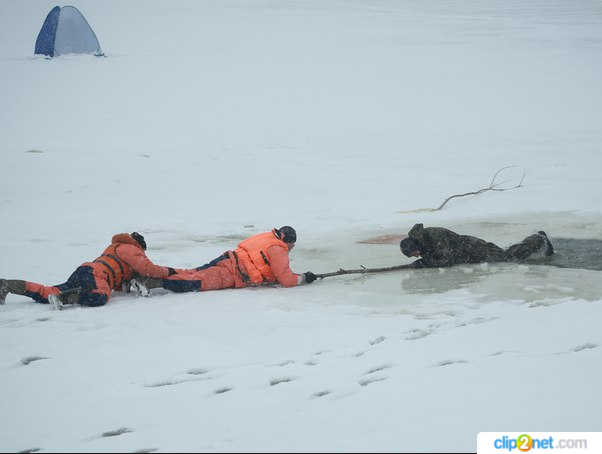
[[66, 31]]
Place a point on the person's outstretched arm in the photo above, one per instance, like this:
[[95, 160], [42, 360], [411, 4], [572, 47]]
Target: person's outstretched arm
[[280, 264], [141, 264]]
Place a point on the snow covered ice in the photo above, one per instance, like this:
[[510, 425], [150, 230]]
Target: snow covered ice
[[210, 121]]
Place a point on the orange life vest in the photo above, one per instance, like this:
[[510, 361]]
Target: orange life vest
[[252, 252], [116, 269]]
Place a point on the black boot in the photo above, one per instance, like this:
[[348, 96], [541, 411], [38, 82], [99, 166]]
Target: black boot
[[549, 247], [11, 286], [3, 290]]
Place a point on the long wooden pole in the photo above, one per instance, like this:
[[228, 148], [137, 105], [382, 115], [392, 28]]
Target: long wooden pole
[[364, 271]]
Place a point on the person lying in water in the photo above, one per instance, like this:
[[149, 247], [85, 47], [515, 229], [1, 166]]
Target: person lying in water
[[440, 247]]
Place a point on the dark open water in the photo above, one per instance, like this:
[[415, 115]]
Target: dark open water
[[575, 253]]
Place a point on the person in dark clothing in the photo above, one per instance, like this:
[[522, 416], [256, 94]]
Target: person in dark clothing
[[440, 247]]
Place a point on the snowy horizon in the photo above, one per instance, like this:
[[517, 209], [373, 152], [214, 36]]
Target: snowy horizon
[[209, 121]]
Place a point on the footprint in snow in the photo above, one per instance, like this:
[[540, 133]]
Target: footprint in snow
[[117, 432], [378, 340], [588, 346], [418, 334], [320, 394], [223, 390], [286, 363], [277, 381], [378, 368], [197, 371], [160, 384], [580, 348], [583, 347], [476, 321], [503, 352], [449, 362], [369, 381], [175, 381], [30, 359]]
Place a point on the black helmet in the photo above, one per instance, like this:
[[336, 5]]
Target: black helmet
[[140, 239], [286, 233]]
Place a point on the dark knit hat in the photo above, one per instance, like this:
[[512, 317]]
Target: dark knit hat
[[140, 239], [287, 234], [408, 245]]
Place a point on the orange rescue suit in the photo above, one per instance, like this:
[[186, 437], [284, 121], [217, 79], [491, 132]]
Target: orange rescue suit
[[252, 253], [124, 257], [262, 258], [116, 265]]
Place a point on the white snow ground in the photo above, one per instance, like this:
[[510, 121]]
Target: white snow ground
[[212, 120]]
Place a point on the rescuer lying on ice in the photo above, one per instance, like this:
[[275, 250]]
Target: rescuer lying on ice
[[260, 259], [91, 283]]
